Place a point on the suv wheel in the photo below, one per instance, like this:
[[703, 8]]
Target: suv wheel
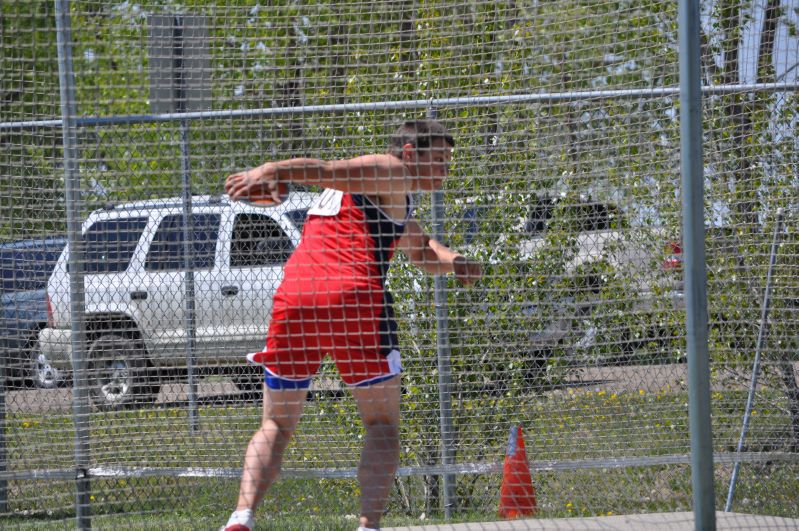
[[118, 376], [535, 368], [44, 375], [250, 380]]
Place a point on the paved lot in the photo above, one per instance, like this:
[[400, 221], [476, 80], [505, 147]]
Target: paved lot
[[651, 379], [220, 391], [60, 400], [683, 521]]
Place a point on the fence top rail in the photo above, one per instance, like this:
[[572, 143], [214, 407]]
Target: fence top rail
[[539, 97]]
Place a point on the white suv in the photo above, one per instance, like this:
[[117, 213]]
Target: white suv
[[135, 290]]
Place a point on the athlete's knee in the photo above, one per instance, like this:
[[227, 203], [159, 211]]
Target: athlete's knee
[[385, 435], [278, 430], [382, 423]]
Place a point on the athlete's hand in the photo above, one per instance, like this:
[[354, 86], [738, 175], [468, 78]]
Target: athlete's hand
[[466, 270], [255, 183]]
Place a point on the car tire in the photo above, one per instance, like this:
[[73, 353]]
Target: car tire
[[250, 381], [118, 374], [535, 368]]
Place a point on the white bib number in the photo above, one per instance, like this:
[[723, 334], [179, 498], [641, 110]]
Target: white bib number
[[328, 204]]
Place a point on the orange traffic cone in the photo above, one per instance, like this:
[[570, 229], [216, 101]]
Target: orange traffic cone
[[517, 495]]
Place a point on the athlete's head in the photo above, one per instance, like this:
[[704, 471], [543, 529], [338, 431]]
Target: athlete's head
[[426, 148]]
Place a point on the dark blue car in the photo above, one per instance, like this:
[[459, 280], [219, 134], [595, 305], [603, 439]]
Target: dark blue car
[[25, 267]]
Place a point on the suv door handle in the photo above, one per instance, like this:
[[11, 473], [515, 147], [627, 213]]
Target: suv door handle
[[138, 295], [229, 291]]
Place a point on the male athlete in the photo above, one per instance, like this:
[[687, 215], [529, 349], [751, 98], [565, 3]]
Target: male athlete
[[333, 301]]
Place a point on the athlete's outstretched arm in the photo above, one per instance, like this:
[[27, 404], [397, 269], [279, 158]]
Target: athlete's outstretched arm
[[434, 257], [368, 174]]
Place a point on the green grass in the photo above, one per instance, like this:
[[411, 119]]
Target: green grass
[[567, 425]]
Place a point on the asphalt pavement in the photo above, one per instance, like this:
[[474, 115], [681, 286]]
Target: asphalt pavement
[[682, 521]]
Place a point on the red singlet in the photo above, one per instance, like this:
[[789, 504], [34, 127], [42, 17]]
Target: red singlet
[[333, 298]]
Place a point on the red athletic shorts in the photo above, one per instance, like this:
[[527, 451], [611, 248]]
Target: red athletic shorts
[[354, 326]]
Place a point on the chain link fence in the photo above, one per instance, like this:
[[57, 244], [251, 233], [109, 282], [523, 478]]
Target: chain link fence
[[134, 405]]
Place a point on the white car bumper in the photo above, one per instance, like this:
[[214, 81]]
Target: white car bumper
[[56, 345]]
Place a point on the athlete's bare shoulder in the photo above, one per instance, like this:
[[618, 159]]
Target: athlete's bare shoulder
[[379, 166]]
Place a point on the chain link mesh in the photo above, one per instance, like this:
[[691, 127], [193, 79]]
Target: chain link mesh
[[565, 185]]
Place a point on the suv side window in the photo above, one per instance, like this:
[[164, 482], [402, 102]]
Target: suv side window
[[298, 217], [584, 217], [110, 243], [258, 241], [166, 250], [538, 218], [589, 217]]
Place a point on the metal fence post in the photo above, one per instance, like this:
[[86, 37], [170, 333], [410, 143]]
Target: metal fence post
[[3, 454], [188, 231], [691, 164], [444, 355], [188, 265], [80, 389]]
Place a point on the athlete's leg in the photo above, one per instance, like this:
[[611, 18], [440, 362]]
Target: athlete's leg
[[379, 406], [282, 411]]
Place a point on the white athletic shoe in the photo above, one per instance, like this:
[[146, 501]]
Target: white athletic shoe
[[240, 521]]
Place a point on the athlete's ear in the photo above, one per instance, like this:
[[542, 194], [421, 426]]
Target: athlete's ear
[[409, 153]]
